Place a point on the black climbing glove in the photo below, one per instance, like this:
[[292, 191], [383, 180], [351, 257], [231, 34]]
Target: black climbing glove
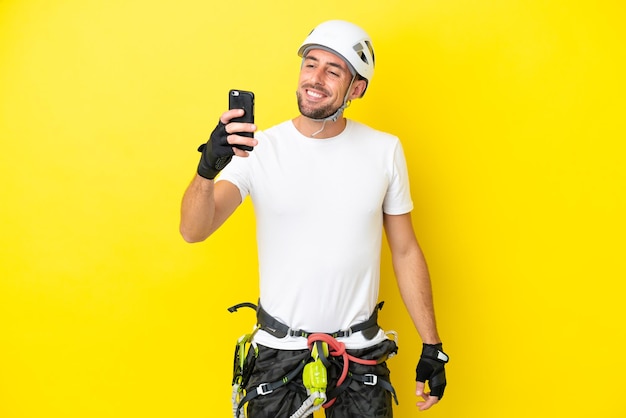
[[216, 153], [431, 367]]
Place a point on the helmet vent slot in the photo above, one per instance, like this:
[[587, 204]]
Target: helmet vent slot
[[360, 51]]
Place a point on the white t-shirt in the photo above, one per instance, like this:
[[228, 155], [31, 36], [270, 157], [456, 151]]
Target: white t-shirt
[[319, 207]]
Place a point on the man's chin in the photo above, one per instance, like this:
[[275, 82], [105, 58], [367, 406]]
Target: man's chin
[[316, 113]]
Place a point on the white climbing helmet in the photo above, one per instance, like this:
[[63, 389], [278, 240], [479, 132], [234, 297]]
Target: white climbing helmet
[[345, 39]]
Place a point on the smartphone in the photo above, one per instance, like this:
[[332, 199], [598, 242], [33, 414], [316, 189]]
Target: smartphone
[[242, 99]]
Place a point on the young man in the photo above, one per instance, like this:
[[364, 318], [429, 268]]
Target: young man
[[323, 187]]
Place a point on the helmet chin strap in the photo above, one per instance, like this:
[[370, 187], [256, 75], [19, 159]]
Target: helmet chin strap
[[335, 116]]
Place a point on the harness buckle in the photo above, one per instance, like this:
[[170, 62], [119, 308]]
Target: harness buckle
[[370, 379], [297, 333], [264, 389], [342, 334]]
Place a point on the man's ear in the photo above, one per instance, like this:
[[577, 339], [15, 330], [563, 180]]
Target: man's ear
[[358, 88]]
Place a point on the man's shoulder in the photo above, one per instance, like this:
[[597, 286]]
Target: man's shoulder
[[362, 129]]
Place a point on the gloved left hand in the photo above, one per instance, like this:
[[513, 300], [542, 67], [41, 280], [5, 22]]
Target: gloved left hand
[[431, 368]]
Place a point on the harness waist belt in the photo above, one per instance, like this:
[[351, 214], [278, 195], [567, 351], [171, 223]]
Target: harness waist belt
[[268, 323]]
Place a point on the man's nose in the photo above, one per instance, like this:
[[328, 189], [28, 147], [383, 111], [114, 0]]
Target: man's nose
[[317, 77]]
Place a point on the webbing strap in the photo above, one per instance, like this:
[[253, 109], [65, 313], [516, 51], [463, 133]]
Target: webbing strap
[[279, 330], [368, 380], [242, 305]]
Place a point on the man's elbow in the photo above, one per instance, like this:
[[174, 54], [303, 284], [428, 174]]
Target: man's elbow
[[192, 236]]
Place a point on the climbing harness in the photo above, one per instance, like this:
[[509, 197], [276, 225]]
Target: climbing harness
[[325, 350]]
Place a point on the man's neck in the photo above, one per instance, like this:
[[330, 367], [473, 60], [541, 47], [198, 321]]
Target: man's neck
[[313, 129]]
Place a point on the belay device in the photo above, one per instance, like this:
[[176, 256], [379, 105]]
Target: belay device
[[315, 379]]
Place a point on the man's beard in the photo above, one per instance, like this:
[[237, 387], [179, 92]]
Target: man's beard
[[318, 113]]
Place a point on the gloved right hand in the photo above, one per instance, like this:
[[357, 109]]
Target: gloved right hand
[[216, 153]]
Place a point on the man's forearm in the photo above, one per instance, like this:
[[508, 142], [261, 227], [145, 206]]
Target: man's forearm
[[416, 291], [197, 210]]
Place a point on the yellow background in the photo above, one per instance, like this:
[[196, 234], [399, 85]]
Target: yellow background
[[511, 113]]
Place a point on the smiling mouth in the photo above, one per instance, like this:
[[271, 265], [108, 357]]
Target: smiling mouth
[[314, 94]]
